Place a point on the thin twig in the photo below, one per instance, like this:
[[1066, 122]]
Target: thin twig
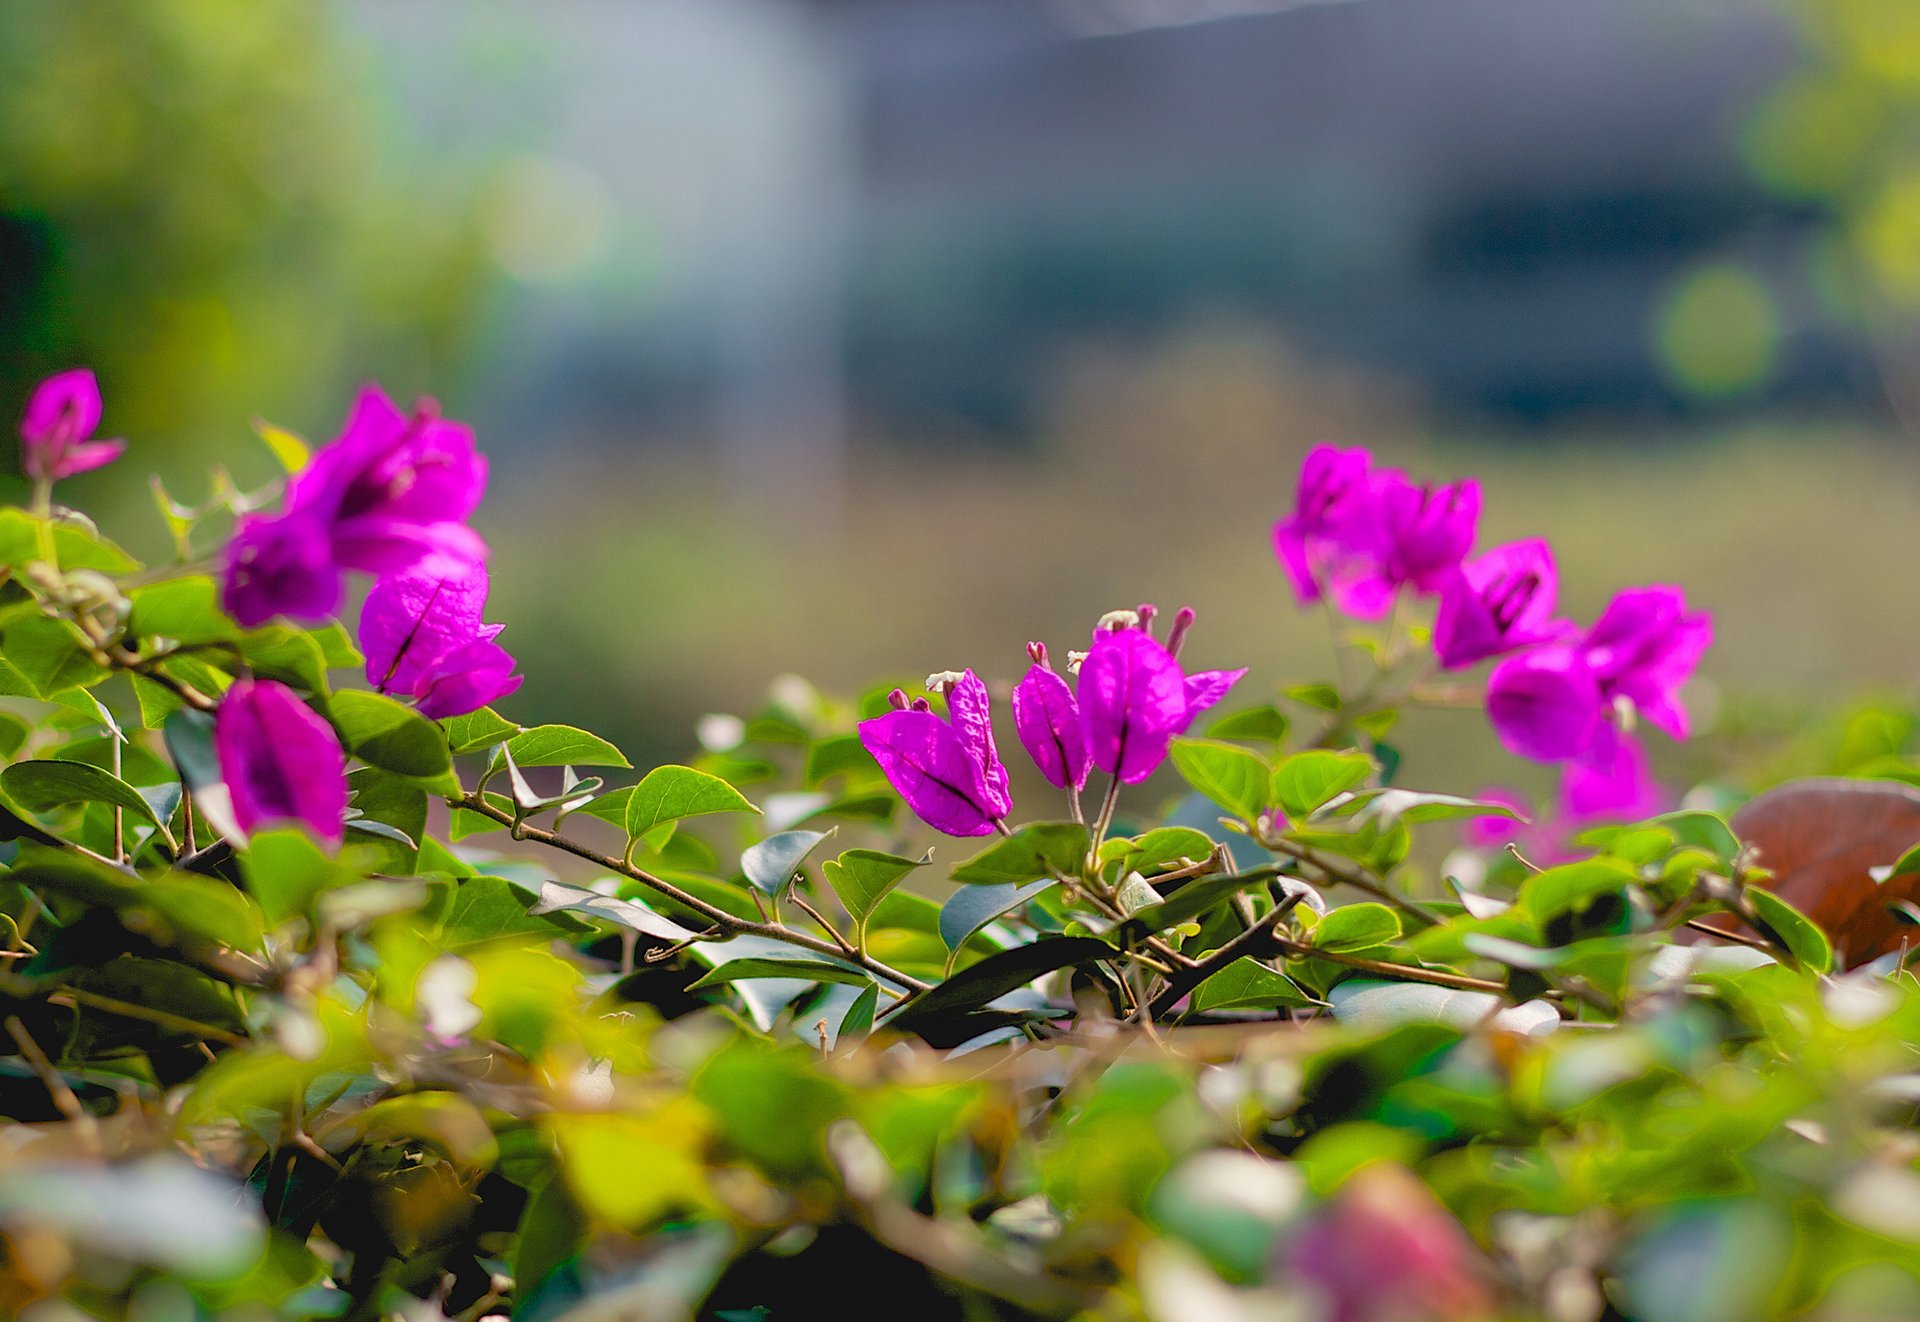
[[74, 996], [64, 1100], [719, 917]]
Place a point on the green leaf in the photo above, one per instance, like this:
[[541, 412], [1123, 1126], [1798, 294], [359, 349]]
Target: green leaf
[[477, 730], [289, 449], [389, 735], [1546, 895], [1266, 722], [971, 908], [45, 658], [286, 870], [186, 610], [998, 974], [1354, 927], [858, 1021], [42, 786], [562, 745], [1158, 850], [808, 968], [488, 909], [1321, 697], [1189, 902], [1247, 984], [1796, 931], [558, 897], [1705, 830], [1226, 773], [1037, 850], [772, 862], [77, 546], [1306, 781], [862, 878], [1414, 808], [288, 655], [670, 793]]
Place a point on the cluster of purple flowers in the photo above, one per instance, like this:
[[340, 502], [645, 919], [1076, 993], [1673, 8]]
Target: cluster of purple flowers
[[390, 497], [1360, 535], [1133, 698]]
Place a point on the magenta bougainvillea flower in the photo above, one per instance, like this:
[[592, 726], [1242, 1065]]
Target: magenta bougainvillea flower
[[1609, 782], [1425, 531], [391, 495], [1359, 534], [422, 636], [1046, 716], [1134, 699], [1644, 646], [1550, 703], [948, 771], [57, 431], [280, 760], [1497, 603], [1545, 703], [1329, 529]]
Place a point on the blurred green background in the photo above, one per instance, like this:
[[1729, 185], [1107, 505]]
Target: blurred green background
[[864, 338]]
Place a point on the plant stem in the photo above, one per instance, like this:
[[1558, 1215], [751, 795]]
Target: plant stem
[[719, 917]]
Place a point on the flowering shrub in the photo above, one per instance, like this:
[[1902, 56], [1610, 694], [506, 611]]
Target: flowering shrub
[[330, 991]]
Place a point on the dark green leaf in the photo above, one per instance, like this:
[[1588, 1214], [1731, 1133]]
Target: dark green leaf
[[1037, 850], [770, 864], [971, 908], [1806, 941], [1247, 984], [42, 786], [998, 974], [805, 968]]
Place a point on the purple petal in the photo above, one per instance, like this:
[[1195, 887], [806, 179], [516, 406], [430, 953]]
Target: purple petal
[[1047, 719], [1132, 702], [1544, 704], [1645, 646], [432, 474], [1609, 782], [1206, 688], [411, 620], [466, 679], [280, 760], [376, 544], [1428, 531], [1498, 602], [1290, 545], [970, 710], [65, 406], [923, 758], [280, 565], [86, 457]]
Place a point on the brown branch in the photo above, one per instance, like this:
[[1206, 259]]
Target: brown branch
[[1255, 938], [719, 917], [74, 997]]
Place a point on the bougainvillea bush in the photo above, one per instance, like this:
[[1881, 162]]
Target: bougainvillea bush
[[1077, 983]]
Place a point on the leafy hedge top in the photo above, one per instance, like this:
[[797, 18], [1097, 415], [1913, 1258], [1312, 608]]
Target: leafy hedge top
[[327, 999]]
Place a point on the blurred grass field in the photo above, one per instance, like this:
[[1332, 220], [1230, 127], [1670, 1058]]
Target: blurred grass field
[[1158, 483]]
